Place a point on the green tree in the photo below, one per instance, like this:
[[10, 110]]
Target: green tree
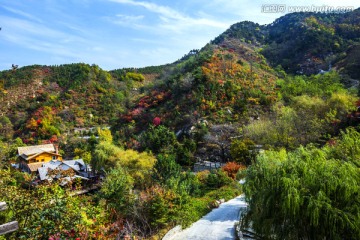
[[6, 128], [217, 179], [134, 76], [138, 165], [12, 153], [347, 148], [158, 139], [305, 194], [42, 211], [166, 170], [116, 190], [104, 156], [243, 151], [185, 152]]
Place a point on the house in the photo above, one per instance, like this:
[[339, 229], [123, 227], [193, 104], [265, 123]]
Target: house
[[32, 157], [39, 153], [65, 170], [46, 163]]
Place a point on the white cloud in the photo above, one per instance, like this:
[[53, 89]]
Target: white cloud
[[29, 35], [21, 13], [163, 10], [174, 20], [127, 20], [24, 27]]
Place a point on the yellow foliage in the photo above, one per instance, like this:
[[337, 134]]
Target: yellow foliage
[[202, 176], [105, 135], [139, 165], [32, 124], [342, 102], [254, 101]]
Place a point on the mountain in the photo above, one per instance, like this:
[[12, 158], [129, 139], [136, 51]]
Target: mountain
[[303, 43], [232, 78], [298, 43], [288, 90]]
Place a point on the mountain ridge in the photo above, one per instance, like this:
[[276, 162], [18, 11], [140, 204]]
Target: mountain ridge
[[201, 82]]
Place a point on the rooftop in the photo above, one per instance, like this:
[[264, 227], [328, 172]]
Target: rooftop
[[31, 150], [77, 165]]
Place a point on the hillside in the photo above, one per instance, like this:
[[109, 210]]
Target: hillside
[[75, 95], [231, 80], [302, 43], [168, 142], [238, 78]]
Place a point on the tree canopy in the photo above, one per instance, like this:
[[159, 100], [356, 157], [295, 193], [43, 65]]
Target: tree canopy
[[309, 193]]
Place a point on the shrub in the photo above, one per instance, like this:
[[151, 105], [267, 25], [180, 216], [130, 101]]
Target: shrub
[[135, 76], [232, 168], [217, 179]]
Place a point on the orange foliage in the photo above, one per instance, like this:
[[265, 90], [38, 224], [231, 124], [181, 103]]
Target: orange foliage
[[32, 124], [231, 168], [229, 81]]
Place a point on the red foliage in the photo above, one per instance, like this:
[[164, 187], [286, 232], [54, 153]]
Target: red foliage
[[45, 142], [153, 100], [331, 142], [146, 102], [127, 118], [132, 143], [136, 111], [157, 121], [231, 168], [358, 103], [53, 139]]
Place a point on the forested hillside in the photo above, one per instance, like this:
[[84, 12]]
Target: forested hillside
[[303, 43], [277, 104]]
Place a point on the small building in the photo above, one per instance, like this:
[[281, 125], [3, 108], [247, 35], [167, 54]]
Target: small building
[[39, 153], [46, 163], [66, 170], [32, 157]]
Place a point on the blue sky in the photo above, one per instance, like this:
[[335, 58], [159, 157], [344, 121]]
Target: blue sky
[[121, 33]]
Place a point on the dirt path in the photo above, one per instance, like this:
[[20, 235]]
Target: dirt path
[[216, 225]]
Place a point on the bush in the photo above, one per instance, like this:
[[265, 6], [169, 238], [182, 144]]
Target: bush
[[135, 76], [166, 170], [232, 168], [116, 189], [193, 210], [217, 179], [226, 192], [243, 151], [158, 139]]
